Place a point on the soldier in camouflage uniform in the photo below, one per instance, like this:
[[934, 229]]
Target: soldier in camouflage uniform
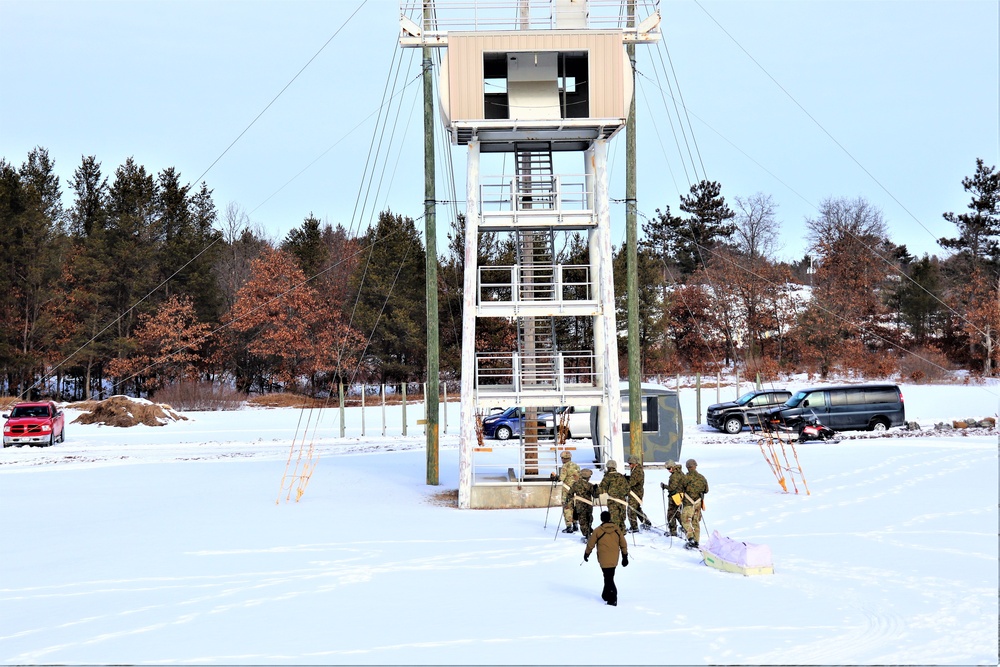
[[674, 486], [582, 495], [636, 481], [616, 486], [695, 488], [568, 474]]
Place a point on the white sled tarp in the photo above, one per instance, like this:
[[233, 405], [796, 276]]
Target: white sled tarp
[[746, 558]]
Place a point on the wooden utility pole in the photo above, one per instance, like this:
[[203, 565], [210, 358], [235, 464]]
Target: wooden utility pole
[[632, 261], [430, 241]]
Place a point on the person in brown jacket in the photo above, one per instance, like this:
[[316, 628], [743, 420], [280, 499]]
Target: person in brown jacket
[[609, 540]]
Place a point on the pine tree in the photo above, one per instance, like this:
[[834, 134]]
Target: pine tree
[[202, 245], [131, 245], [977, 244], [173, 229], [652, 333], [391, 310], [89, 212], [12, 207], [84, 310], [707, 225], [920, 299], [306, 243], [33, 249]]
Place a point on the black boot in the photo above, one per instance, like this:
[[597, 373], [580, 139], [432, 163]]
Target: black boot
[[568, 529]]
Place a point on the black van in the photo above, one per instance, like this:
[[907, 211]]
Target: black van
[[872, 407]]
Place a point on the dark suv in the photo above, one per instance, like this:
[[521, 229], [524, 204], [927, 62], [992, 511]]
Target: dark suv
[[872, 407], [746, 410]]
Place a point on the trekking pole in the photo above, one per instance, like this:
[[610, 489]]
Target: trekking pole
[[673, 514], [552, 487], [557, 526], [663, 496]]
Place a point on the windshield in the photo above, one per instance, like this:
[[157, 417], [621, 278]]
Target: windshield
[[796, 399], [745, 398], [30, 411]]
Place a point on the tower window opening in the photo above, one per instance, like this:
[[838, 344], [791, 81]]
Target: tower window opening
[[536, 85]]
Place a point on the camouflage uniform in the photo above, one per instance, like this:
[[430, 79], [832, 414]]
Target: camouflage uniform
[[636, 481], [582, 494], [673, 486], [568, 475], [695, 488], [616, 486]]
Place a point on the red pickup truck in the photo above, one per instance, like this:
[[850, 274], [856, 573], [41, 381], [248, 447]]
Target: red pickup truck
[[35, 423]]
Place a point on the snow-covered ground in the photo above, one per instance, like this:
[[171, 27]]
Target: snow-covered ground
[[167, 545]]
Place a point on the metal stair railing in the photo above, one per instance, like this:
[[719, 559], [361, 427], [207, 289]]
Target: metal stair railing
[[504, 284], [557, 370], [567, 192]]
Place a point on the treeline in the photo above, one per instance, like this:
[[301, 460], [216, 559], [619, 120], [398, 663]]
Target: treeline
[[142, 283], [711, 292]]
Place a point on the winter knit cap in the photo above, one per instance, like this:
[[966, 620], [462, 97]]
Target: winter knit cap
[[691, 463], [605, 516]]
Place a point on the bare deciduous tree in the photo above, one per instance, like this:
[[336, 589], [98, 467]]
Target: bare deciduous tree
[[757, 227], [244, 243]]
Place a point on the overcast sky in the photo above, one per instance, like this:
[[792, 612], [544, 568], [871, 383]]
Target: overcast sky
[[908, 89]]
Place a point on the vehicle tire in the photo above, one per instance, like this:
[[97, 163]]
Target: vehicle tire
[[503, 433], [52, 440], [732, 425], [879, 425], [62, 435]]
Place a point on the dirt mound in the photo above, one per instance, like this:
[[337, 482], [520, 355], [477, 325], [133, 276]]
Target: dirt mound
[[124, 411]]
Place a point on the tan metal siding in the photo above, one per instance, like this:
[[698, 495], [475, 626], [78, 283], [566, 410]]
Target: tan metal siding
[[605, 60]]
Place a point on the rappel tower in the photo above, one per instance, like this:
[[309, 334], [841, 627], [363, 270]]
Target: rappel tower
[[535, 90]]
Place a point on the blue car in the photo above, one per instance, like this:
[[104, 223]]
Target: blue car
[[508, 423]]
